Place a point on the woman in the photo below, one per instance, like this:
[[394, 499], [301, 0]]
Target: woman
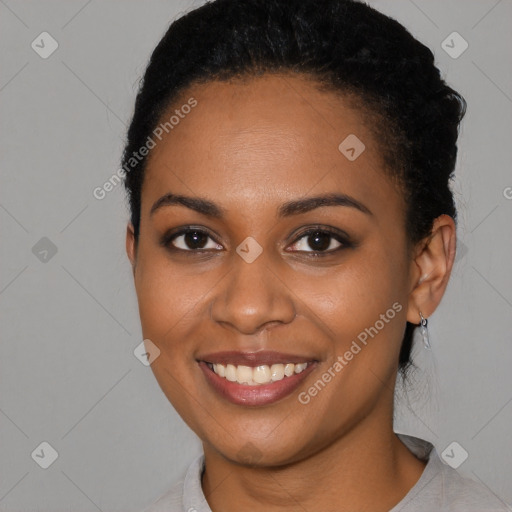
[[288, 167]]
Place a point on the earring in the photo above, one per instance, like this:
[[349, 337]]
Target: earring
[[424, 331]]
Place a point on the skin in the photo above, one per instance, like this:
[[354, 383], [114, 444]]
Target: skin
[[250, 147]]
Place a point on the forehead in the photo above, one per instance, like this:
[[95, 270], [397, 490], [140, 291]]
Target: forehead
[[273, 136]]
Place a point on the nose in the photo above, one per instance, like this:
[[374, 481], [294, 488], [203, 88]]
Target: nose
[[252, 296]]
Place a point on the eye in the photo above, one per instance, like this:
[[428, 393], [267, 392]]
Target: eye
[[191, 240], [316, 241], [320, 241]]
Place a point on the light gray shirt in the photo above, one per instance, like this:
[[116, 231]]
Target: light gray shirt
[[439, 489]]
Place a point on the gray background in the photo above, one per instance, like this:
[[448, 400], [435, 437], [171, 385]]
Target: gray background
[[70, 323]]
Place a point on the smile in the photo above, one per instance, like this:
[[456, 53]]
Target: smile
[[254, 379], [258, 375]]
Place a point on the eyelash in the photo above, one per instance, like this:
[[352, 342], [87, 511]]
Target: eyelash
[[343, 239]]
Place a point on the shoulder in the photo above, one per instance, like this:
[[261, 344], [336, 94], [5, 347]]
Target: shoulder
[[186, 494], [443, 488], [171, 501], [461, 493]]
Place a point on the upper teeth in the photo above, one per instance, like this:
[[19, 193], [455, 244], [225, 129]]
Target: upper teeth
[[259, 374]]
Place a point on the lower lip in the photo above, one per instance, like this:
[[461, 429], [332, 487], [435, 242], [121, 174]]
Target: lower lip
[[262, 394]]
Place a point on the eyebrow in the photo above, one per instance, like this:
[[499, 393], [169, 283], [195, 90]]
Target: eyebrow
[[296, 207]]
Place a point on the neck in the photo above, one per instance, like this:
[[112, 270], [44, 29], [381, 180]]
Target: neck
[[367, 469]]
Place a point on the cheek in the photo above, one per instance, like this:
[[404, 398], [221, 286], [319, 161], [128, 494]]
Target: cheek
[[362, 302], [169, 307], [362, 310], [173, 301], [164, 293], [353, 298]]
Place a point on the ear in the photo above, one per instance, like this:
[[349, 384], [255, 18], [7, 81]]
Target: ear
[[431, 269], [131, 246]]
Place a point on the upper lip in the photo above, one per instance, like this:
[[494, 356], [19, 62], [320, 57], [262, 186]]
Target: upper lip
[[263, 357]]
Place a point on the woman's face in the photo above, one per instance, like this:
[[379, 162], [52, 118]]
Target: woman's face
[[258, 152]]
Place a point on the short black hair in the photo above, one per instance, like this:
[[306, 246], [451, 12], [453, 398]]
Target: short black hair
[[345, 46]]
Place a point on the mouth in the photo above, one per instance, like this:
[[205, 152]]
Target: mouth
[[258, 378]]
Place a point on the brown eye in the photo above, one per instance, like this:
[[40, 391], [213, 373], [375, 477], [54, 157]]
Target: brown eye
[[319, 241], [192, 240]]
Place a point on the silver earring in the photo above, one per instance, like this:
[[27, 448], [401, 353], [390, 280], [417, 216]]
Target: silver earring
[[424, 331]]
